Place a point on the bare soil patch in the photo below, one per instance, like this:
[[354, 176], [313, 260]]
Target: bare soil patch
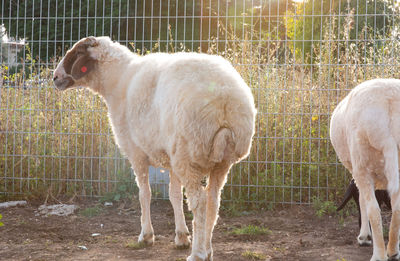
[[296, 234]]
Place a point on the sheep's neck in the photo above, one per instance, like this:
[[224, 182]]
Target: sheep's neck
[[109, 84], [113, 90]]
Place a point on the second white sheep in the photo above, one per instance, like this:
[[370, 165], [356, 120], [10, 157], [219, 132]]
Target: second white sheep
[[365, 133]]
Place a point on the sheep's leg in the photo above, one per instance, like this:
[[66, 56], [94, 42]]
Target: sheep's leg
[[364, 238], [390, 155], [147, 234], [140, 165], [367, 197], [175, 196], [197, 204], [393, 244], [216, 181]]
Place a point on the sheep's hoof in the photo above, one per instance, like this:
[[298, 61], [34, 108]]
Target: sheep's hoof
[[395, 257], [182, 240], [210, 256], [378, 259], [197, 258], [364, 241], [147, 239]]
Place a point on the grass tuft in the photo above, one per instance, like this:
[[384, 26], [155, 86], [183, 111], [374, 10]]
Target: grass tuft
[[135, 245], [251, 230], [91, 211], [254, 255], [322, 208]]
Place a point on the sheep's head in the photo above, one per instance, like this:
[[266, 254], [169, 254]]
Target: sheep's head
[[76, 65]]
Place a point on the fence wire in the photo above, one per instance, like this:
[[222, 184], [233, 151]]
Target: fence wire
[[299, 57]]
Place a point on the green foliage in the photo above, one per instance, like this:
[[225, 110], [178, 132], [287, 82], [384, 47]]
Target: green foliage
[[188, 215], [62, 23], [69, 141], [322, 208], [1, 223], [235, 208], [91, 211], [291, 158], [251, 230], [124, 188], [254, 255], [135, 245], [312, 19], [385, 231], [49, 115]]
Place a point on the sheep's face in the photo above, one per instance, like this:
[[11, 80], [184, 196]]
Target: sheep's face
[[76, 65]]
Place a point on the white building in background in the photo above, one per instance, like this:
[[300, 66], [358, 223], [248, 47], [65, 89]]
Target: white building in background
[[9, 48]]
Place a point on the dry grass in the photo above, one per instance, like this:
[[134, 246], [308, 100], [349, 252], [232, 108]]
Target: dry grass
[[62, 142]]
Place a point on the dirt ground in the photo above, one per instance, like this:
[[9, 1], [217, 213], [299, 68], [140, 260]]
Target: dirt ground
[[296, 234]]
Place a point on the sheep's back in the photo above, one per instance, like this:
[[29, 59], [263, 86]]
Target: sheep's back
[[367, 116], [338, 134], [199, 94], [373, 110]]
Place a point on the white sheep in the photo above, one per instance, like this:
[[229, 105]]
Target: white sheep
[[365, 133], [190, 113]]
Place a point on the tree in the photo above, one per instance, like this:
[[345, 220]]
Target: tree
[[52, 26], [307, 25]]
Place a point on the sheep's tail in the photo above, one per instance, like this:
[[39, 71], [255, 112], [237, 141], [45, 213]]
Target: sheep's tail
[[232, 116], [222, 148], [243, 129], [220, 144], [242, 138]]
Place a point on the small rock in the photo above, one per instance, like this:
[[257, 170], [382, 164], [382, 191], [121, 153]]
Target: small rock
[[58, 210], [13, 204], [83, 247], [95, 234], [108, 204], [282, 213]]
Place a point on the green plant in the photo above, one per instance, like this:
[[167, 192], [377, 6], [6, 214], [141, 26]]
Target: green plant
[[135, 245], [188, 215], [385, 231], [235, 208], [251, 230], [70, 145], [351, 209], [1, 223], [91, 211], [307, 25], [254, 255], [124, 188], [322, 208]]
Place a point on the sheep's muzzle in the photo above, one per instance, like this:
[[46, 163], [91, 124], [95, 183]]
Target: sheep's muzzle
[[63, 83]]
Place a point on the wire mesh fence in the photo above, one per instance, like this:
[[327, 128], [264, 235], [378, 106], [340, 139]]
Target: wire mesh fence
[[299, 57]]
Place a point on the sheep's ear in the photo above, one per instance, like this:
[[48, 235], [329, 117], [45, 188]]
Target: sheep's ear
[[77, 62], [82, 66], [91, 41]]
